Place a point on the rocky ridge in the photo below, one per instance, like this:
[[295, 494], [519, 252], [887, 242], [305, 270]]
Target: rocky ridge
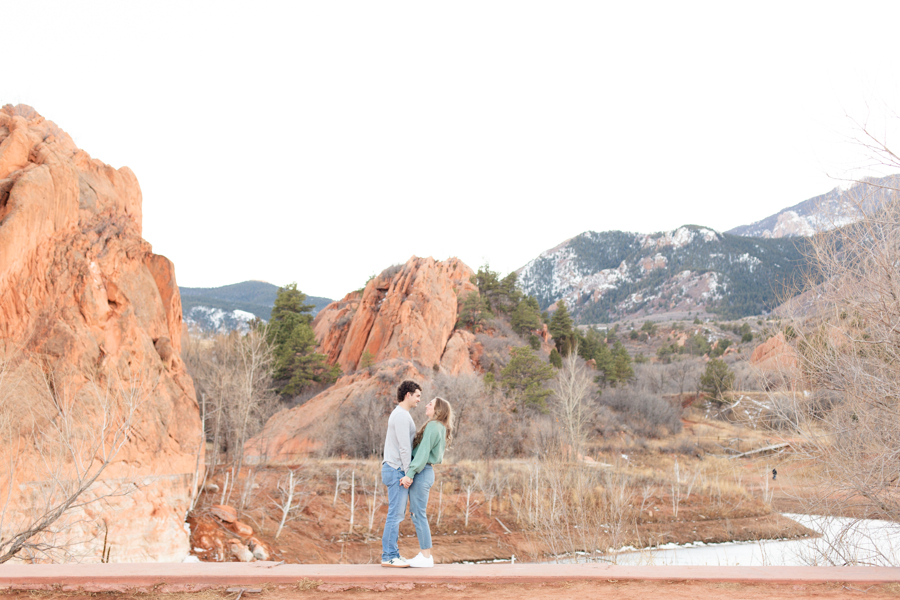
[[613, 275], [838, 207], [403, 321], [90, 321]]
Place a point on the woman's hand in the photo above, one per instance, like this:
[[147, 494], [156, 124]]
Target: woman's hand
[[406, 481]]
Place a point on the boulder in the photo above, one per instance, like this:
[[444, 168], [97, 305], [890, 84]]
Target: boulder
[[224, 512], [240, 551], [241, 529], [90, 317], [258, 548]]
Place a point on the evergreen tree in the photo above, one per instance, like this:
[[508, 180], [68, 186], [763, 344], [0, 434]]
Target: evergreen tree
[[555, 358], [296, 363], [291, 301], [589, 343], [526, 316], [716, 380], [561, 328], [488, 283], [622, 369], [509, 294], [526, 374], [605, 362], [614, 364], [474, 312]]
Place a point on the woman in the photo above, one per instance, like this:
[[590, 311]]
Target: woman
[[428, 449]]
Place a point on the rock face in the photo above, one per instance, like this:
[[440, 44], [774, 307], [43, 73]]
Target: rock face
[[407, 313], [404, 319], [775, 354], [89, 310]]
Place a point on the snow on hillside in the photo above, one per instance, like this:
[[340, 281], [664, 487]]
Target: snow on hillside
[[216, 320]]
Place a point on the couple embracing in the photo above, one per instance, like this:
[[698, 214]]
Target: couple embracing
[[407, 470]]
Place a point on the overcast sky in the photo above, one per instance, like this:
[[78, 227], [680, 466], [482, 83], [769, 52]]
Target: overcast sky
[[321, 142]]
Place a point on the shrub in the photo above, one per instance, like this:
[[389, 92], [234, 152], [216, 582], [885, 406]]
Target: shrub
[[644, 413]]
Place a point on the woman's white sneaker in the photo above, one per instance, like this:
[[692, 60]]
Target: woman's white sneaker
[[421, 561], [395, 562]]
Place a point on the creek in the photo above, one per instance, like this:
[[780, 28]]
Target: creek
[[842, 541]]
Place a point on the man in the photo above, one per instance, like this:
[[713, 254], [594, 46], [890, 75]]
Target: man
[[397, 455]]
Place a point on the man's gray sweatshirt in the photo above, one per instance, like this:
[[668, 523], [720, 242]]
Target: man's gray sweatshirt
[[398, 441]]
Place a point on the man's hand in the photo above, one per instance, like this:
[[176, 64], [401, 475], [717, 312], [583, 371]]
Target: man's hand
[[406, 481]]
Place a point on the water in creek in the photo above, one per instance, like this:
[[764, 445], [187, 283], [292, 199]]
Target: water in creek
[[842, 541]]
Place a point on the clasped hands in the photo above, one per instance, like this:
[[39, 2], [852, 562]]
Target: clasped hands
[[406, 481]]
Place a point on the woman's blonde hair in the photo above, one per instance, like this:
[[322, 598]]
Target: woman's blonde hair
[[443, 414]]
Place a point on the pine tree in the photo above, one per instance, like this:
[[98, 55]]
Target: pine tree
[[296, 362], [474, 312], [561, 328], [556, 358], [589, 343], [622, 363], [526, 374], [717, 379], [526, 316]]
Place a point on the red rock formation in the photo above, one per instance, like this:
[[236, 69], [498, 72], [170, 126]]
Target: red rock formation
[[458, 355], [405, 320], [296, 432], [775, 354], [409, 313], [84, 299]]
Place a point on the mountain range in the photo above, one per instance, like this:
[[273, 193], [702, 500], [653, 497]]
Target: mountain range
[[749, 270], [233, 306], [838, 207], [613, 275]]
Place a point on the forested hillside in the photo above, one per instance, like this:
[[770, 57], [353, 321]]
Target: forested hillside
[[611, 275], [229, 306]]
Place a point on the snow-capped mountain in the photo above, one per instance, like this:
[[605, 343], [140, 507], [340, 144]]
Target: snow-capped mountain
[[216, 320], [614, 274], [232, 307], [834, 209]]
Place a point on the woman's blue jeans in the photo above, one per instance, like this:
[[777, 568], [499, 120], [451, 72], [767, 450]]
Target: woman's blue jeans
[[397, 496], [418, 502]]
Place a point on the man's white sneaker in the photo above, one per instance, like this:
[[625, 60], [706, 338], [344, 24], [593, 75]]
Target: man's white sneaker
[[421, 561], [395, 562]]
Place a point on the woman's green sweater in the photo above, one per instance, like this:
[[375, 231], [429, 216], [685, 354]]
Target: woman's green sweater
[[430, 450]]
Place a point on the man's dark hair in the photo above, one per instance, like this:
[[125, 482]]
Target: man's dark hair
[[407, 387]]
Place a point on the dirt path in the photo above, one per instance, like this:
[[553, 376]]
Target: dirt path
[[618, 590]]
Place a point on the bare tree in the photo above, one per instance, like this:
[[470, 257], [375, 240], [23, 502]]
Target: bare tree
[[571, 389], [847, 348], [64, 433], [292, 500], [232, 374]]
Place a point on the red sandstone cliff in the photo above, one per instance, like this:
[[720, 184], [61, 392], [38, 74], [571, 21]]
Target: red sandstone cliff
[[405, 320], [85, 301], [775, 354], [408, 314]]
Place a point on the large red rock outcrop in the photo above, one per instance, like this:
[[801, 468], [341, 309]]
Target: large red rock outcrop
[[89, 310], [775, 354], [405, 320], [407, 313], [294, 433]]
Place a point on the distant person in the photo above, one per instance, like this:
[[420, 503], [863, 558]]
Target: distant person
[[774, 474], [428, 449], [397, 455]]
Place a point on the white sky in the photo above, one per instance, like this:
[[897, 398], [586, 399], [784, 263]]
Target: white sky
[[320, 142]]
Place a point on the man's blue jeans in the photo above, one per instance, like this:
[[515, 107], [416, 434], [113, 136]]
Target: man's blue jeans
[[418, 502], [397, 498]]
